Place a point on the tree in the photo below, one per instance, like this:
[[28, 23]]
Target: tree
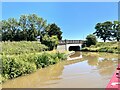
[[32, 25], [9, 29], [27, 28], [116, 30], [91, 40], [18, 35], [103, 30], [4, 30], [53, 29], [23, 27], [54, 41], [51, 42]]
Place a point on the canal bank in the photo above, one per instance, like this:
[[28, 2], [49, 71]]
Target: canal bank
[[109, 47], [15, 66], [93, 70]]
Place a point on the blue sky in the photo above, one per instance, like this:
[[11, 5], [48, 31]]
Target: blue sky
[[76, 20], [60, 0]]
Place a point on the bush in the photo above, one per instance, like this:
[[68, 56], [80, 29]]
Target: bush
[[91, 40], [104, 49], [14, 67], [18, 65], [21, 58], [61, 56], [51, 42], [110, 51], [110, 47]]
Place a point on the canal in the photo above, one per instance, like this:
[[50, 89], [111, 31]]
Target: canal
[[92, 70]]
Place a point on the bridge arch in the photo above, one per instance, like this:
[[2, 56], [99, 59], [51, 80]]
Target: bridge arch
[[70, 45], [74, 48]]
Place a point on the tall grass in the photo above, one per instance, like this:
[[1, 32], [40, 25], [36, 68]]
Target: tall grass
[[110, 47], [10, 48], [21, 58], [18, 65]]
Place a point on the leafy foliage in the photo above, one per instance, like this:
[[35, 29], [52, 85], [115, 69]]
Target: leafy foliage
[[18, 65], [108, 30], [91, 40], [27, 28], [54, 30], [110, 47], [116, 30], [21, 58], [51, 42]]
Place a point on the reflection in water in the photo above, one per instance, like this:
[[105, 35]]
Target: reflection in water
[[93, 60], [77, 54], [105, 64], [93, 70], [37, 79], [106, 67]]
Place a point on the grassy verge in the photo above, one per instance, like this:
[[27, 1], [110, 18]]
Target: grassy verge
[[10, 48], [110, 47], [15, 66], [28, 59]]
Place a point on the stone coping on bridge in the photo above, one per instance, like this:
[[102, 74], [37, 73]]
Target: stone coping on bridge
[[71, 42]]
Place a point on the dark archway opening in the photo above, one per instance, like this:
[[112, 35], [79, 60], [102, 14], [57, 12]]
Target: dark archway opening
[[74, 48]]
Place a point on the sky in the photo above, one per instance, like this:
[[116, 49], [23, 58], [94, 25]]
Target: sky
[[60, 0], [76, 19]]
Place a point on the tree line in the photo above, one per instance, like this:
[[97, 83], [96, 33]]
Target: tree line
[[108, 30], [28, 27]]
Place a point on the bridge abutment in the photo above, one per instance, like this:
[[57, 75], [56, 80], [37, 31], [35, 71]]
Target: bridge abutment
[[67, 47], [67, 44]]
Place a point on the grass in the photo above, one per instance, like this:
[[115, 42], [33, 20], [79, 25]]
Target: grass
[[110, 47], [21, 58], [10, 48]]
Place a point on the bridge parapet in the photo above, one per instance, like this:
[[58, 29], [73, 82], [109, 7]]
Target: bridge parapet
[[63, 42]]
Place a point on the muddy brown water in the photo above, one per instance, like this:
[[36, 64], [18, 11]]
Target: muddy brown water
[[93, 70]]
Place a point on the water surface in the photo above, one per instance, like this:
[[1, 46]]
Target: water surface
[[93, 70]]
